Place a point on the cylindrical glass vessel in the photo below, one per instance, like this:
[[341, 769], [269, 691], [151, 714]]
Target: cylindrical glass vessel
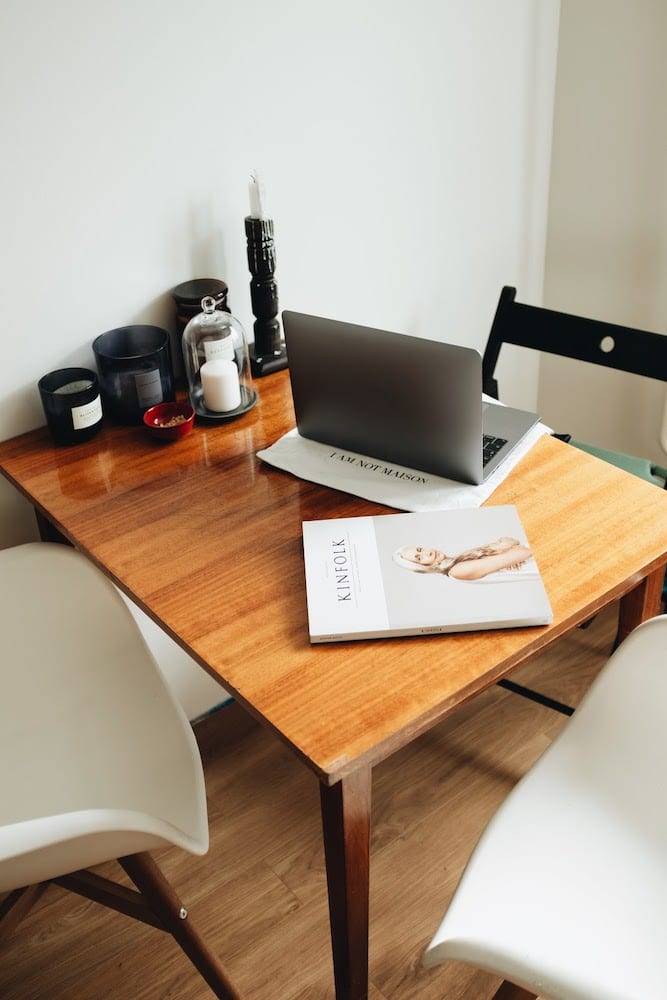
[[188, 296], [72, 406], [134, 365]]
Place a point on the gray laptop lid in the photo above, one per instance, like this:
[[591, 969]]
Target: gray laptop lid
[[405, 400]]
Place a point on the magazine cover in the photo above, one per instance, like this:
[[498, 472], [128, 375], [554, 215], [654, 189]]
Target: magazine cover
[[420, 573]]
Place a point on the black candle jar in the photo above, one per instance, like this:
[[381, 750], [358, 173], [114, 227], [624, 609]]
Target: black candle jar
[[134, 366], [72, 405], [189, 294]]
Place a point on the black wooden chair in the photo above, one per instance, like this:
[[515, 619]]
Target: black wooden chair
[[623, 348], [607, 344]]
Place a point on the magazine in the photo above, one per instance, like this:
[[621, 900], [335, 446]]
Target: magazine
[[420, 573]]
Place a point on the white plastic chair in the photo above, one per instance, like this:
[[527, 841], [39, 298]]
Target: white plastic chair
[[565, 894], [99, 760]]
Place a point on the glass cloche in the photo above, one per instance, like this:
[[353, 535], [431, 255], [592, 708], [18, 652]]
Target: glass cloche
[[217, 364]]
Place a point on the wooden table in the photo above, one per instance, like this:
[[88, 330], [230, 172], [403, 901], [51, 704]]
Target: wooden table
[[207, 540]]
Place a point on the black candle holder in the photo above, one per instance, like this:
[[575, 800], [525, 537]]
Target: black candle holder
[[72, 406], [268, 353]]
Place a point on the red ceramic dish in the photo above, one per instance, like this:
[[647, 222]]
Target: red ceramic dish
[[169, 421]]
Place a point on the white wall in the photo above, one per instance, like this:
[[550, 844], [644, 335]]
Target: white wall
[[607, 241], [405, 150]]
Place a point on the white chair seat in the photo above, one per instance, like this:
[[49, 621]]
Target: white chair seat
[[104, 762], [566, 892]]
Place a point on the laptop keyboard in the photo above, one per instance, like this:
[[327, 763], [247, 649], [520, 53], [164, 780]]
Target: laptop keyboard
[[491, 446]]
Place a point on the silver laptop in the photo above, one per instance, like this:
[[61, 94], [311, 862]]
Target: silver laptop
[[405, 400]]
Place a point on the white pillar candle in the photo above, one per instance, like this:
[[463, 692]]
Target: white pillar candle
[[220, 385]]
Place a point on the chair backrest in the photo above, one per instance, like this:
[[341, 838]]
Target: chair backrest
[[613, 747], [103, 759], [608, 344]]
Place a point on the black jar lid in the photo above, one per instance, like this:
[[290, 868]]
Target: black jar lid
[[190, 293]]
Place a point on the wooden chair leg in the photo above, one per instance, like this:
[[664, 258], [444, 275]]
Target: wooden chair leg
[[116, 897], [174, 917], [16, 904], [508, 991]]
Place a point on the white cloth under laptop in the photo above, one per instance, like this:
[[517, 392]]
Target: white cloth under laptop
[[378, 481]]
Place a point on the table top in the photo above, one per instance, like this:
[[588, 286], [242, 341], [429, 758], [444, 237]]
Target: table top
[[206, 538]]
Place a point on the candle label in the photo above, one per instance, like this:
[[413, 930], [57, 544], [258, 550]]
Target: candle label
[[87, 414], [149, 387], [223, 348]]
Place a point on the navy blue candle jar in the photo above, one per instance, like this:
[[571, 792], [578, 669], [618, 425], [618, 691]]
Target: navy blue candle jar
[[135, 370]]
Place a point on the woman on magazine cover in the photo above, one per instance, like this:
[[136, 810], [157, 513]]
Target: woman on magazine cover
[[505, 555]]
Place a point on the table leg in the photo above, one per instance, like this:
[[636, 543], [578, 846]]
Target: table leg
[[346, 814], [641, 603], [47, 531]]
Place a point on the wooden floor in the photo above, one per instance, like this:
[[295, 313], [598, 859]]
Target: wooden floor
[[259, 895]]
